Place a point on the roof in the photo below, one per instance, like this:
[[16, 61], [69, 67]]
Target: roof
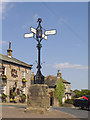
[[64, 81], [14, 61], [52, 80]]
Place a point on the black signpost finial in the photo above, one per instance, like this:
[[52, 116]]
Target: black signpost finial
[[39, 20]]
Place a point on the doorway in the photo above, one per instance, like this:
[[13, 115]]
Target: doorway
[[51, 101]]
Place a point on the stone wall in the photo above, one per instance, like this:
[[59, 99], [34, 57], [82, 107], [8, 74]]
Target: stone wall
[[56, 102], [11, 80], [38, 98]]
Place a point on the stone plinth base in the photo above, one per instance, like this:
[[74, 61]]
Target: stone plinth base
[[38, 98], [35, 110]]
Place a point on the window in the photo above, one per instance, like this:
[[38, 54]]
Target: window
[[2, 70], [23, 90], [23, 74], [3, 90]]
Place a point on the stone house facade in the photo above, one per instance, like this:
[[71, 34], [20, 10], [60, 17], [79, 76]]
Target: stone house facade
[[52, 81], [17, 73]]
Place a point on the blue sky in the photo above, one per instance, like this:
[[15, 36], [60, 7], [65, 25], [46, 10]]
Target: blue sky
[[67, 50]]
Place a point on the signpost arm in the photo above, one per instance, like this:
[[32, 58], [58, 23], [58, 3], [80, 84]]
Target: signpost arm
[[37, 34]]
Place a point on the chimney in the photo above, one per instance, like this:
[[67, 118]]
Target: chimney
[[9, 51], [59, 74]]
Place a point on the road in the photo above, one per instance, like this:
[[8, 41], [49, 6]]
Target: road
[[17, 111], [74, 111], [61, 112]]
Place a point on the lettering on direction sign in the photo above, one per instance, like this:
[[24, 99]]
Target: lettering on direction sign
[[50, 32], [28, 35]]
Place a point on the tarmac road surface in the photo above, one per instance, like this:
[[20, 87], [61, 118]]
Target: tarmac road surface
[[74, 111], [17, 111]]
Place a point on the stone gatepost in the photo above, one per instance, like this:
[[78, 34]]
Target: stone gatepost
[[38, 100]]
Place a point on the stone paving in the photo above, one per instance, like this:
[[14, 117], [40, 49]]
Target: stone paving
[[18, 112]]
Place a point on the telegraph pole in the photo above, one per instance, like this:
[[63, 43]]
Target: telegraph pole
[[38, 35]]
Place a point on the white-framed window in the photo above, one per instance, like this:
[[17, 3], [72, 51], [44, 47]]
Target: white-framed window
[[3, 90], [23, 74]]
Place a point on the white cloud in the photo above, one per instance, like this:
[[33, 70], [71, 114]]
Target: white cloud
[[5, 8], [3, 42], [68, 65]]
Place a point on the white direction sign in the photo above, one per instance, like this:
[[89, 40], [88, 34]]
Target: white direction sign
[[33, 30], [50, 32], [44, 36], [28, 35]]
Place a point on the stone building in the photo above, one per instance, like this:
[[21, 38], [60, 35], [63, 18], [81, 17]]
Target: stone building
[[52, 81], [14, 75]]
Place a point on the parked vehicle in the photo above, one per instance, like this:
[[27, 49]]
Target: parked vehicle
[[84, 102]]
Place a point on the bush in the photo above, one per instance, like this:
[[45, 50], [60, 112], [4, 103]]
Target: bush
[[69, 101], [81, 93], [11, 100], [3, 96], [23, 98], [13, 94], [4, 77], [24, 80], [59, 91]]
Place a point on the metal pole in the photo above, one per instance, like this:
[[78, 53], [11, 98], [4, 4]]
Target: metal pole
[[39, 48], [39, 78]]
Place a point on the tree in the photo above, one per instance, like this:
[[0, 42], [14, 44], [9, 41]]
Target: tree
[[81, 93], [59, 91], [77, 93]]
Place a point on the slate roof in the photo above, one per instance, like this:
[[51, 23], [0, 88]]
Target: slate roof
[[12, 60], [52, 80]]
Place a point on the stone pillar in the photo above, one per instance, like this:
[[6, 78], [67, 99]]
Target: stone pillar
[[38, 100]]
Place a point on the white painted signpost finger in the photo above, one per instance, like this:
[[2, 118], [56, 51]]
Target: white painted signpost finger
[[50, 32], [33, 30], [44, 36], [28, 35]]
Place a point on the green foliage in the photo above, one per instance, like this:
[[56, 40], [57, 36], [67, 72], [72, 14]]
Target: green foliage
[[59, 91], [81, 93], [3, 96], [13, 94], [24, 80], [4, 77], [11, 100], [69, 101], [23, 98]]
